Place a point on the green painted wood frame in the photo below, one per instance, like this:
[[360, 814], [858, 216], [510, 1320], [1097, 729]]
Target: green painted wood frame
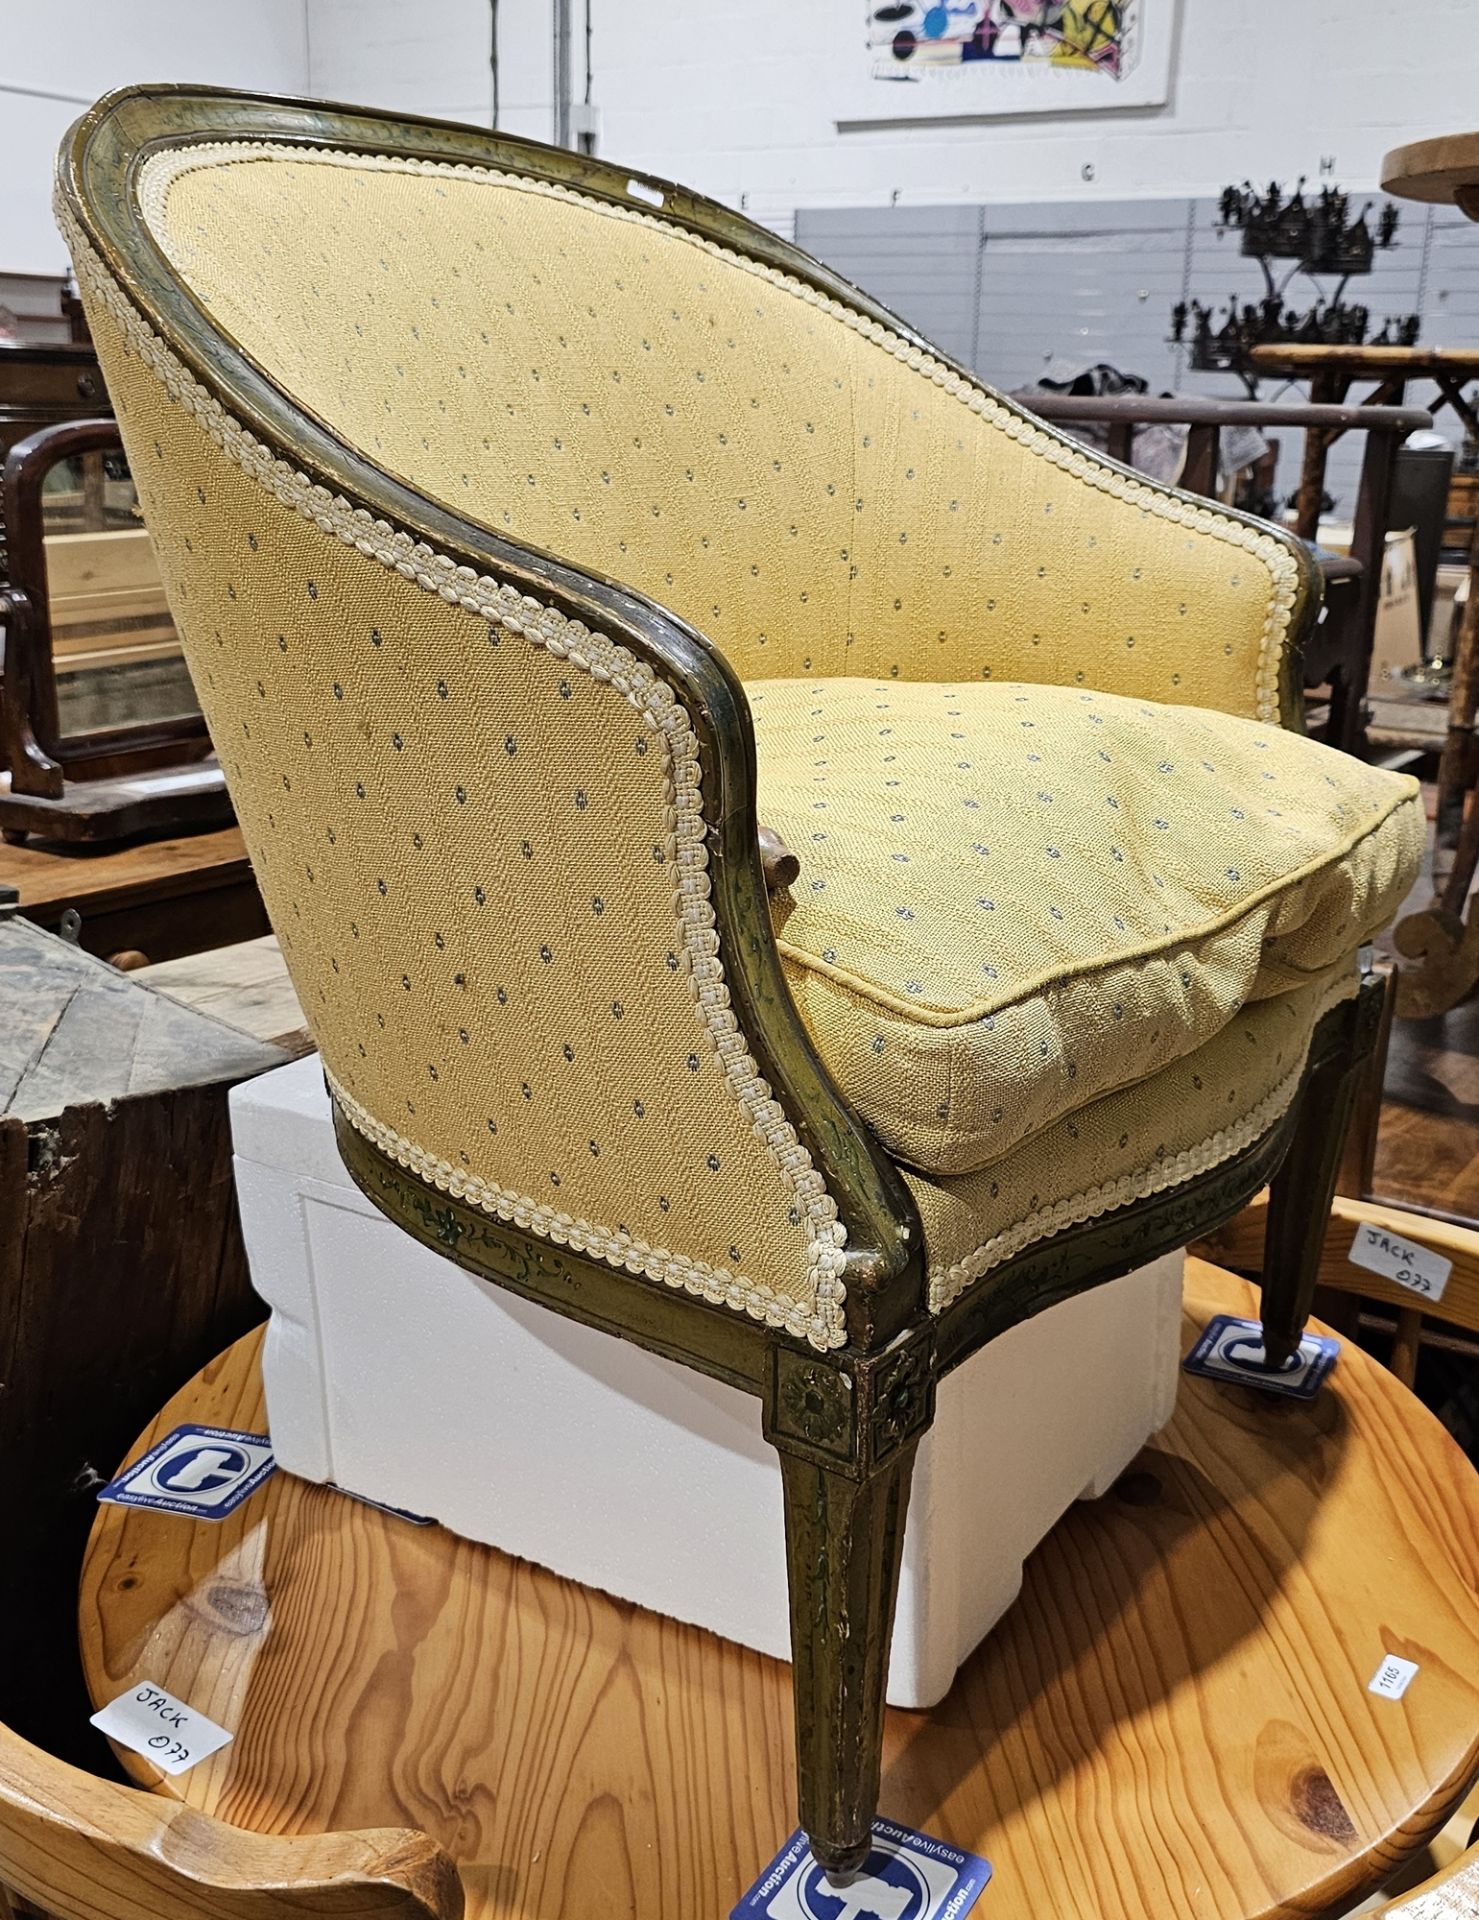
[[846, 1423]]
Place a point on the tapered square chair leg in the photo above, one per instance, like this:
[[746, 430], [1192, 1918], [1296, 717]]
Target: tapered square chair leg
[[1303, 1189], [844, 1546]]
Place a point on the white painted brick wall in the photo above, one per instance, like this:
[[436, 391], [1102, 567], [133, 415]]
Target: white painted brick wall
[[57, 56], [733, 96]]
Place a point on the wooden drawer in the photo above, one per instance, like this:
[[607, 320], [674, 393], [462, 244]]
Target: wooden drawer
[[40, 384]]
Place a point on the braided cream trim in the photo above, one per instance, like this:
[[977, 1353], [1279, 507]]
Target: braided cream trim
[[619, 1248], [161, 171], [946, 1284], [818, 1319]]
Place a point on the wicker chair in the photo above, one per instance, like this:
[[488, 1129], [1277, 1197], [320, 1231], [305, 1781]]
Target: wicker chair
[[534, 532]]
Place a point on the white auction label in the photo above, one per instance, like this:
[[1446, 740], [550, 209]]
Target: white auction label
[[150, 1721], [1393, 1677], [1394, 1257]]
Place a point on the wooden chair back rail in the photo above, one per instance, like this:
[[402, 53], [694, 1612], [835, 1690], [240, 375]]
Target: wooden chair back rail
[[1151, 409], [73, 1847], [31, 741]]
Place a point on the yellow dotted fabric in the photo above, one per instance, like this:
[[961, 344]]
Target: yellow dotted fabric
[[466, 847], [1140, 1140], [608, 389], [472, 848], [1014, 899]]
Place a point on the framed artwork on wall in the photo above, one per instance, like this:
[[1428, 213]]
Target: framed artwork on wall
[[963, 59]]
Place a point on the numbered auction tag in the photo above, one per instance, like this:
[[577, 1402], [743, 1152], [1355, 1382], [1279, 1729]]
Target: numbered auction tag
[[907, 1876], [151, 1721], [205, 1472], [1395, 1257], [1393, 1677]]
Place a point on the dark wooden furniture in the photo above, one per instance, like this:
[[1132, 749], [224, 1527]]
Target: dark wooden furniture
[[160, 898], [1183, 1680], [40, 385], [1338, 654], [122, 1269], [1435, 938], [1389, 371], [157, 774], [845, 1418], [1446, 171], [120, 1257]]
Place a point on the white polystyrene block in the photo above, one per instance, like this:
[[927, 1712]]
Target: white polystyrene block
[[398, 1375]]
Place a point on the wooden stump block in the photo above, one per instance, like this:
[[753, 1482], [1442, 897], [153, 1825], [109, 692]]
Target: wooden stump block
[[121, 1262]]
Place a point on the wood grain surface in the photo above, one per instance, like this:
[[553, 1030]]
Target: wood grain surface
[[1367, 362], [246, 985], [1173, 1720], [89, 1849], [1435, 170], [154, 869], [122, 1267]]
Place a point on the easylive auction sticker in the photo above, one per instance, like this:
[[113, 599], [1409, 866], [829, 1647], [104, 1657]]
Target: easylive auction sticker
[[907, 1876]]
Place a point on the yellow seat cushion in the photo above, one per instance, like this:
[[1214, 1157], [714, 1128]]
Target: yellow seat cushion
[[1015, 899], [1126, 1146]]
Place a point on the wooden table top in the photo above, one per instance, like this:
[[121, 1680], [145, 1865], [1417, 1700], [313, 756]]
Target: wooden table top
[[150, 869], [1380, 363], [1438, 169], [1173, 1720]]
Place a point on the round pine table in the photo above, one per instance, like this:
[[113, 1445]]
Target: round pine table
[[1174, 1720]]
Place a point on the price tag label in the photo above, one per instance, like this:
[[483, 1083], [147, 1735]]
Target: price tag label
[[1394, 1257], [1393, 1677], [151, 1721]]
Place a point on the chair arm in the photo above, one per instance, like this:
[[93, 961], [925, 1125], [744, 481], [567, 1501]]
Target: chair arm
[[1450, 1895], [1275, 656], [88, 1849], [617, 1064]]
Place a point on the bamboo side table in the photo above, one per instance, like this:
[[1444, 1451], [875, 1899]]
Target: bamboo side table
[[1172, 1723]]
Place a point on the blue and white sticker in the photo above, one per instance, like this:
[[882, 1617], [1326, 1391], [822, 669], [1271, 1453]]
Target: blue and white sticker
[[1232, 1349], [907, 1876], [205, 1472]]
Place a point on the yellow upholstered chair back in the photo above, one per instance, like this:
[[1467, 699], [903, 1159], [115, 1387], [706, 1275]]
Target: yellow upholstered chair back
[[816, 494]]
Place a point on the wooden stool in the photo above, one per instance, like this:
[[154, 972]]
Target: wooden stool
[[1182, 1689]]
